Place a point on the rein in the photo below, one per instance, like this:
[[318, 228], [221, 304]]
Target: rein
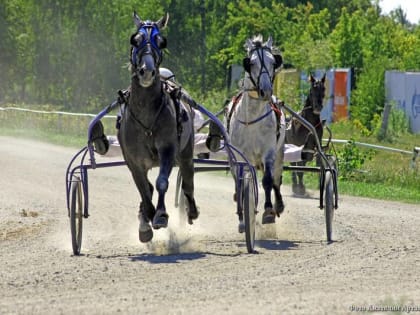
[[148, 131], [273, 108], [247, 123]]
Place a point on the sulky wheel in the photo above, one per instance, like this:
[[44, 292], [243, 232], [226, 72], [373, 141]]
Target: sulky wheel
[[249, 211], [329, 204], [76, 214]]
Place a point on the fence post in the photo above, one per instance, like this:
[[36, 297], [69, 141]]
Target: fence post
[[385, 118]]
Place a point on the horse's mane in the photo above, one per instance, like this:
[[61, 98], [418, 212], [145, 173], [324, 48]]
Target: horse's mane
[[258, 41]]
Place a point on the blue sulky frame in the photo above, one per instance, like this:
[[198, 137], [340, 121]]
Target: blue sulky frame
[[84, 160], [246, 186]]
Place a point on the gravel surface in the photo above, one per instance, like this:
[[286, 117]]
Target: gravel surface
[[374, 263]]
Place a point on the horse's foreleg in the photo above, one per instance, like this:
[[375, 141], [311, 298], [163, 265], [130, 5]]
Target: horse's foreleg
[[269, 215], [147, 210], [166, 157]]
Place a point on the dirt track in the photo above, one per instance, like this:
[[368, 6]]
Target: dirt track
[[203, 269]]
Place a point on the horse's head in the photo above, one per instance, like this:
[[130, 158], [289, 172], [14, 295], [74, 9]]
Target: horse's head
[[317, 93], [146, 51], [260, 64]]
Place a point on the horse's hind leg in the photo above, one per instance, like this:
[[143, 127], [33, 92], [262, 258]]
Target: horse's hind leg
[[294, 179], [186, 167], [279, 204], [301, 190], [278, 180]]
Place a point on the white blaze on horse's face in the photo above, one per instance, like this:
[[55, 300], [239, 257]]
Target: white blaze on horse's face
[[262, 67], [147, 70]]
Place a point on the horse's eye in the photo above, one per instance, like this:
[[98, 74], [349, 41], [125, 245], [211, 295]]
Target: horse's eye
[[136, 39], [139, 38], [161, 42]]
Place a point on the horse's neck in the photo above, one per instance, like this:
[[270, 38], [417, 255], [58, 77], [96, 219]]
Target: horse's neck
[[247, 83], [308, 113], [251, 105], [145, 101]]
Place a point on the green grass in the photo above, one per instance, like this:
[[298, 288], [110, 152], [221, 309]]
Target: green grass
[[384, 175], [39, 135], [362, 189]]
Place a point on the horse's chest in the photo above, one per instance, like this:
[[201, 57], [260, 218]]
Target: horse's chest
[[255, 141]]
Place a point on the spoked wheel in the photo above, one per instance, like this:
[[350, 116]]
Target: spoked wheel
[[249, 211], [76, 215], [329, 204]]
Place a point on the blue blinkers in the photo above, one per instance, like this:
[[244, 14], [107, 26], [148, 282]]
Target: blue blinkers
[[150, 35]]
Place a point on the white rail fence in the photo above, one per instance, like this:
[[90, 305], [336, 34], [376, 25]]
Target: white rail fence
[[51, 121]]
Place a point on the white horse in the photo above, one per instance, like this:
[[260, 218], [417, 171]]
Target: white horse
[[256, 125]]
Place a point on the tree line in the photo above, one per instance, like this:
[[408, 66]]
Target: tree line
[[75, 54]]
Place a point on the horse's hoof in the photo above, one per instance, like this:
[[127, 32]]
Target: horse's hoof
[[241, 227], [100, 141], [193, 215], [160, 220], [269, 217], [279, 209], [299, 189], [145, 233]]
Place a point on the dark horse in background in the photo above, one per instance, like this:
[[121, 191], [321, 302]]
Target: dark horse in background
[[152, 133], [298, 134]]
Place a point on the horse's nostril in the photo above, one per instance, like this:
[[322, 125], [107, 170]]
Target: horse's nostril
[[153, 73], [141, 71]]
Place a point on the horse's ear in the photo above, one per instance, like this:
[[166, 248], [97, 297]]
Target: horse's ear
[[278, 61], [163, 21], [323, 78], [137, 21], [248, 44], [269, 42], [311, 78], [246, 62]]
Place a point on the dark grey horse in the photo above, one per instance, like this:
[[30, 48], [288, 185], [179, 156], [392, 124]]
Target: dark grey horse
[[156, 131], [299, 135]]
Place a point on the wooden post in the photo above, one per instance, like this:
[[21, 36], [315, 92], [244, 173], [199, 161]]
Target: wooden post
[[384, 125]]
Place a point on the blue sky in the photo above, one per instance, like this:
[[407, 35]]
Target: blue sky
[[410, 7]]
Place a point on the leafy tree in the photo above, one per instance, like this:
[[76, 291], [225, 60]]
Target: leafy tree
[[346, 41]]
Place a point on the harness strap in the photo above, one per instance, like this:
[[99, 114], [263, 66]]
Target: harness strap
[[148, 130], [235, 101], [247, 123]]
